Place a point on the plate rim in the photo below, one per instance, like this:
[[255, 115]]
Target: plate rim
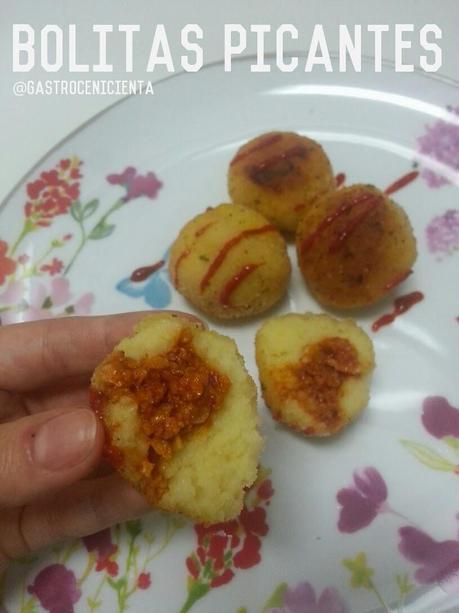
[[437, 77], [76, 132]]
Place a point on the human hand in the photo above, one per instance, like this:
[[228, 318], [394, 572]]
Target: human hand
[[50, 441]]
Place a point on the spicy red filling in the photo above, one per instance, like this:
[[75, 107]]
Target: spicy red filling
[[316, 381], [175, 393]]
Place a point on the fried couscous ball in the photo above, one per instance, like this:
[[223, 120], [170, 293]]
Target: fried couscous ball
[[279, 174], [354, 246], [230, 262], [314, 371], [179, 412]]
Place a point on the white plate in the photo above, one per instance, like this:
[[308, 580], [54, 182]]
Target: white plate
[[316, 537]]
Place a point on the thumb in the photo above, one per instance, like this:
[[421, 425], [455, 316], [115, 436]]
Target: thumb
[[45, 452]]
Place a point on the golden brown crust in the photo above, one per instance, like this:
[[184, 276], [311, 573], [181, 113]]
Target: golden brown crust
[[230, 262], [314, 371], [279, 174], [354, 246]]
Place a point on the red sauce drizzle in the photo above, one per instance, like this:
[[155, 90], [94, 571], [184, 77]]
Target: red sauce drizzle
[[332, 217], [181, 257], [368, 207], [402, 277], [204, 228], [234, 282], [268, 140], [221, 255], [340, 179], [299, 207], [199, 232], [140, 274], [401, 305], [402, 182], [279, 157]]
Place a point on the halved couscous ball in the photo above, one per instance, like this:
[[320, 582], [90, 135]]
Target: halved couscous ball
[[280, 174], [179, 412], [314, 371], [230, 262], [354, 246]]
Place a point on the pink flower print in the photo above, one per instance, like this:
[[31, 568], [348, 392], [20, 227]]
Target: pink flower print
[[442, 233], [7, 265], [39, 300], [265, 490], [53, 193], [439, 418], [42, 301], [84, 304], [23, 259], [13, 293], [302, 599], [362, 501], [254, 520], [438, 561], [440, 142], [60, 291], [54, 267], [136, 185], [56, 588], [223, 548], [109, 565], [143, 581], [101, 544]]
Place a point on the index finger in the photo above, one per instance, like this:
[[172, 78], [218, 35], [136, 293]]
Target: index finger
[[37, 353]]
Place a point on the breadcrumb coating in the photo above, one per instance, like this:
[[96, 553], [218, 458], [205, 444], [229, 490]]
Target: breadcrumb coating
[[179, 412], [354, 246], [314, 371], [230, 262], [280, 174]]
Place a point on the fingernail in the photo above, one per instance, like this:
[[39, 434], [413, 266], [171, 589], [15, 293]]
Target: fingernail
[[65, 441]]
